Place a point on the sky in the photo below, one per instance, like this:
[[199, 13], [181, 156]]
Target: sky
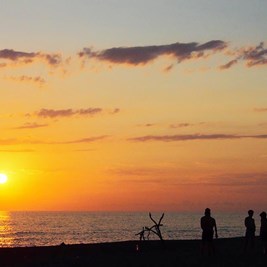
[[142, 105]]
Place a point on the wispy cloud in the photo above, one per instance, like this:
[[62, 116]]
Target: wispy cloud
[[14, 141], [252, 56], [173, 177], [239, 179], [186, 124], [15, 55], [56, 113], [264, 124], [30, 126], [147, 125], [82, 140], [37, 79], [141, 55], [115, 111], [260, 109], [168, 68], [190, 137], [52, 113], [229, 64], [255, 55], [29, 57], [181, 125]]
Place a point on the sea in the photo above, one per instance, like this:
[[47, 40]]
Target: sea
[[27, 229]]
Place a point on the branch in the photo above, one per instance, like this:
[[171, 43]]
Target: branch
[[152, 218]]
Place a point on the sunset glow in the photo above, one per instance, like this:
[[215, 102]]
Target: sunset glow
[[133, 105]]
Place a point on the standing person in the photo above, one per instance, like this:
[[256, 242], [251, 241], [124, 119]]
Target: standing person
[[250, 231], [208, 225], [263, 232]]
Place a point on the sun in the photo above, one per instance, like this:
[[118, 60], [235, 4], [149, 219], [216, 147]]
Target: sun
[[3, 178]]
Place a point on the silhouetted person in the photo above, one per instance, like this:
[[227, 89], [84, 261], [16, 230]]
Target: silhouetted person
[[250, 231], [263, 232], [208, 226]]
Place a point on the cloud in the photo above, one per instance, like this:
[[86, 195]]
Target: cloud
[[260, 109], [15, 55], [141, 55], [115, 111], [56, 113], [186, 124], [240, 179], [252, 56], [13, 141], [51, 59], [147, 125], [52, 113], [256, 55], [190, 137], [31, 126], [37, 79], [173, 177], [29, 57], [168, 68], [229, 64], [264, 124], [83, 140], [173, 125], [89, 111], [261, 136], [180, 125]]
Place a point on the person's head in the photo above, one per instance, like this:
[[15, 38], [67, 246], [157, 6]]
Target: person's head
[[207, 212], [250, 213], [263, 215]]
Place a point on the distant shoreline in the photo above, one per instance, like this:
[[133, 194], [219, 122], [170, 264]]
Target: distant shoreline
[[135, 253]]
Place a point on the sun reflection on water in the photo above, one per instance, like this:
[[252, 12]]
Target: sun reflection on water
[[6, 239]]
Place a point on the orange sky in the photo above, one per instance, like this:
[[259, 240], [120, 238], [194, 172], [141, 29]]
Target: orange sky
[[133, 120]]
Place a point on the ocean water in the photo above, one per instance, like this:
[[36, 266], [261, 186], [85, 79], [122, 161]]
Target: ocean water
[[52, 228]]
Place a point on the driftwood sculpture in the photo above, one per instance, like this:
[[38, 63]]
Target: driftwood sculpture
[[154, 229]]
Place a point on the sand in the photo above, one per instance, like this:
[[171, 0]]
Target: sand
[[229, 252]]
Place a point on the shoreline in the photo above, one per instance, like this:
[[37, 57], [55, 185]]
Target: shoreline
[[229, 252]]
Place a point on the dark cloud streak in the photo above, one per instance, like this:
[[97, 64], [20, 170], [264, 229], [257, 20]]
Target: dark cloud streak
[[260, 109], [141, 55], [190, 137], [229, 64], [13, 141], [29, 57], [31, 126], [53, 113], [37, 79], [56, 113], [15, 55], [252, 56]]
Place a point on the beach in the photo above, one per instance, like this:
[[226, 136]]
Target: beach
[[229, 252]]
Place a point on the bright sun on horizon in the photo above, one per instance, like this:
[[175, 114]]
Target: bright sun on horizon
[[3, 178]]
